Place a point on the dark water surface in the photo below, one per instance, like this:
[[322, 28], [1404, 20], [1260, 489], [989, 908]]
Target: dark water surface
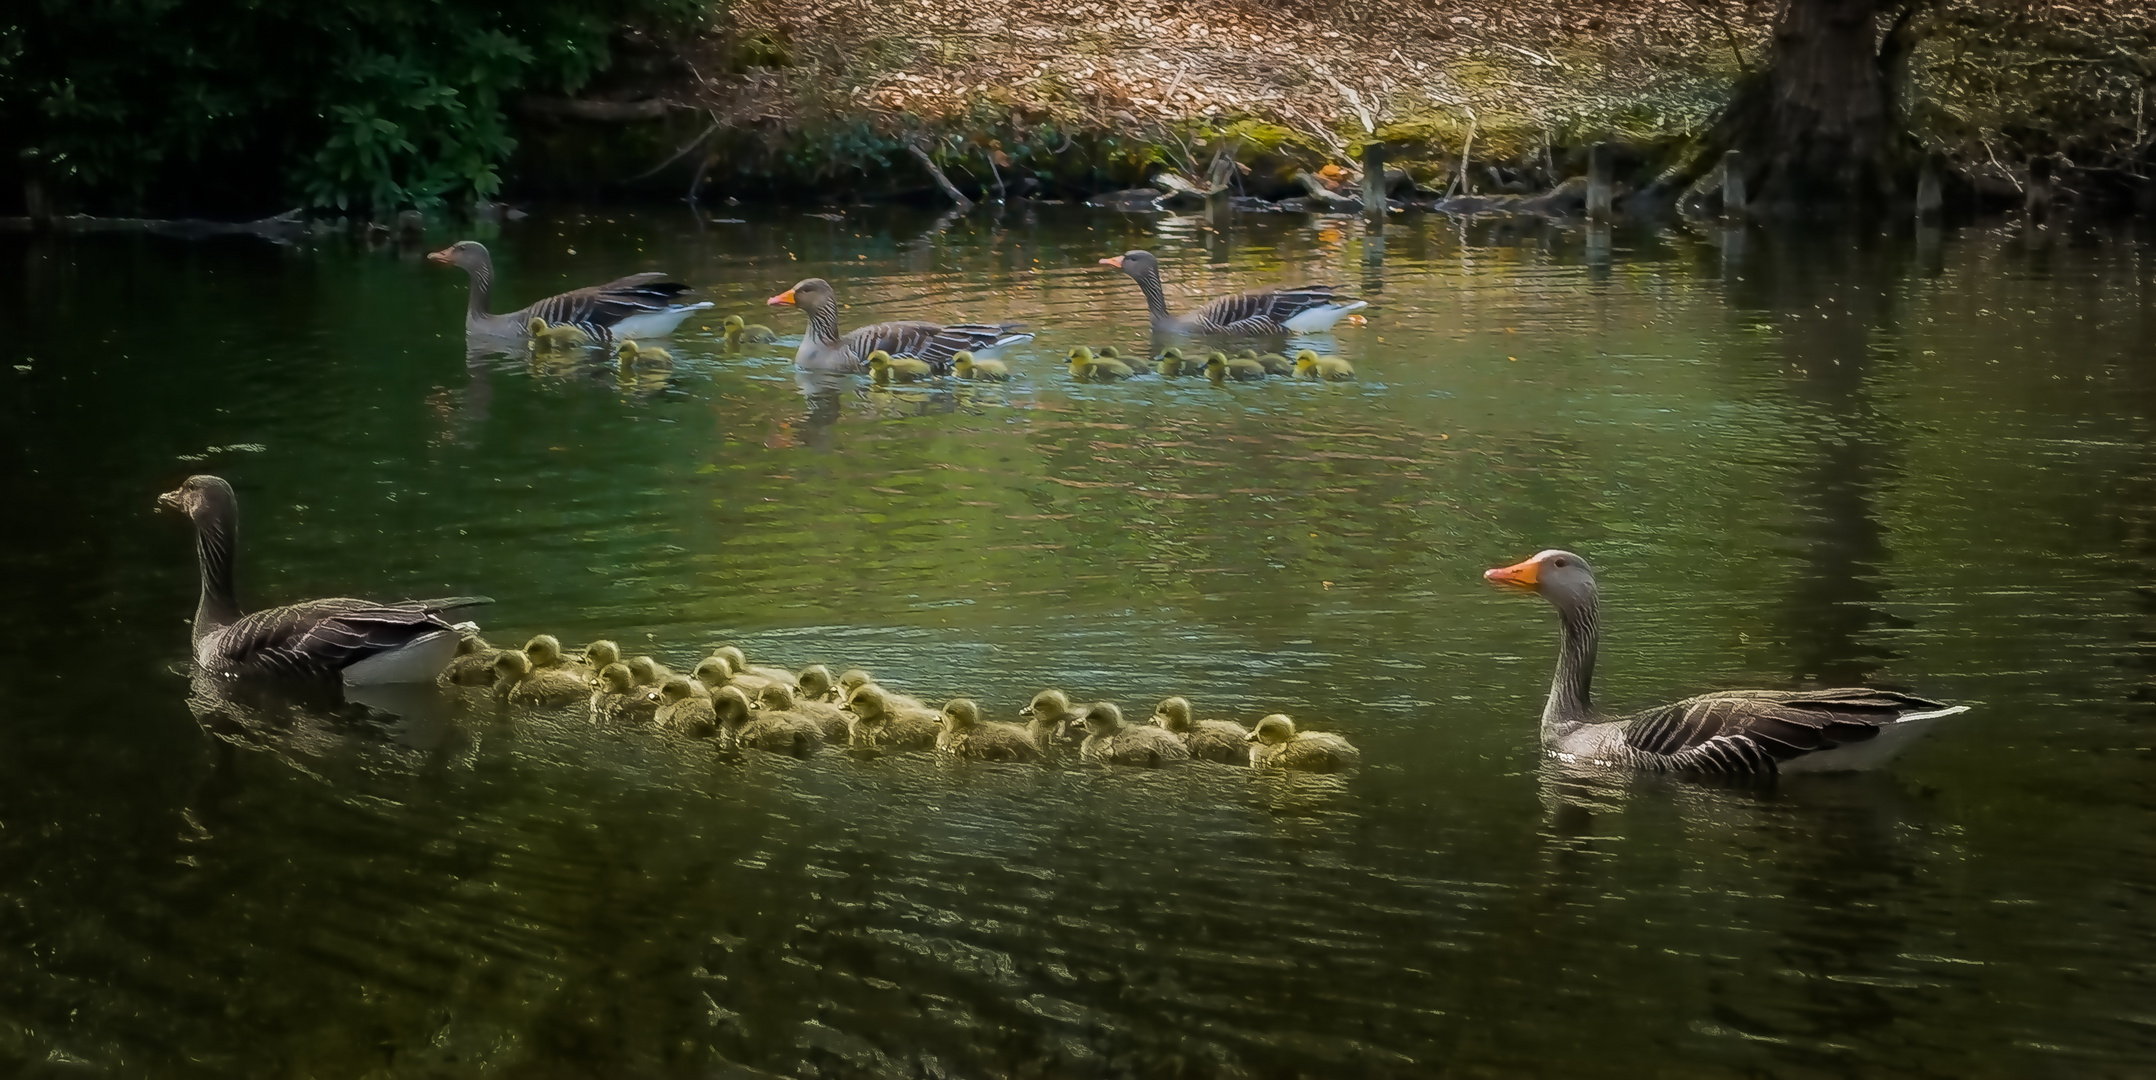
[[1923, 462]]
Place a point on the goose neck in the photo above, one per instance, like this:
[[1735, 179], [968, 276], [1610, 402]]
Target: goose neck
[[482, 288], [823, 322], [219, 606], [1572, 687], [1156, 299]]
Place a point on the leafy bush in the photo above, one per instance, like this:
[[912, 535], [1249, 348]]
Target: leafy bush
[[361, 104]]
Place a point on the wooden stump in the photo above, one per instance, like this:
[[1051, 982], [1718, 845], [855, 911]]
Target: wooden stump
[[1733, 184], [1373, 181], [1599, 168], [1930, 191]]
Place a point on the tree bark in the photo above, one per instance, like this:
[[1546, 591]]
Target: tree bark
[[1826, 130]]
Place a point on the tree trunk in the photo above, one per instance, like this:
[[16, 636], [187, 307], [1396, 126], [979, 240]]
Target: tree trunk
[[1825, 135]]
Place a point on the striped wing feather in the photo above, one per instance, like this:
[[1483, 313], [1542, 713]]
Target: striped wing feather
[[932, 342], [1752, 731], [598, 308], [320, 638], [1265, 311]]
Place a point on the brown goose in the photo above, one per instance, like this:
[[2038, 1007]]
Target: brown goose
[[1735, 732], [637, 306], [822, 349], [360, 642], [1265, 312]]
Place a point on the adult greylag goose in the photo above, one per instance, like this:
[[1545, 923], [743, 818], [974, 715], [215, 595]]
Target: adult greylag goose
[[1735, 732], [361, 642], [1309, 309], [822, 349], [640, 305]]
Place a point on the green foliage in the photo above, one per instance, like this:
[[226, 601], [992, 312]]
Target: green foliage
[[359, 104]]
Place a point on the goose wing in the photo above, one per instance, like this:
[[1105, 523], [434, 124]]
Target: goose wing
[[598, 308], [1754, 731], [320, 638], [1265, 311], [932, 342]]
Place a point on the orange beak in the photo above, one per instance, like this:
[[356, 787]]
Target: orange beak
[[1524, 575], [1113, 260], [786, 297], [441, 256]]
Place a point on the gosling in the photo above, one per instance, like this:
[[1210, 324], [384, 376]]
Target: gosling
[[1110, 741], [1309, 365], [1087, 367], [829, 719], [1220, 367], [776, 676], [600, 653], [1049, 717], [472, 666], [517, 682], [880, 723], [1170, 364], [776, 732], [678, 708], [740, 331], [966, 735], [1275, 744], [630, 354], [1224, 741], [544, 650], [617, 699], [982, 369], [557, 337], [885, 369], [814, 684]]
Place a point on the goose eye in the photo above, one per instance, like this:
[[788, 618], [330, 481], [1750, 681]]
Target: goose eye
[[1558, 562]]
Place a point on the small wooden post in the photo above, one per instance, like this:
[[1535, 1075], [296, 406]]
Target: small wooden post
[[1373, 180], [1930, 191], [1599, 167], [2038, 204], [1733, 184]]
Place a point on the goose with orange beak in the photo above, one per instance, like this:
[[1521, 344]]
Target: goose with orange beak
[[823, 349], [1309, 309], [1734, 732]]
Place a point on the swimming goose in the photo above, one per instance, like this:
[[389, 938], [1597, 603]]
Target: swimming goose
[[1084, 365], [473, 664], [1049, 720], [1209, 740], [740, 331], [829, 719], [358, 641], [881, 722], [1110, 741], [640, 305], [979, 369], [676, 706], [966, 735], [1738, 732], [1309, 365], [1275, 744], [517, 682], [824, 350], [1266, 312]]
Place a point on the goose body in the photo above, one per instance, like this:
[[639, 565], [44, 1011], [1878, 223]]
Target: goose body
[[1224, 741], [637, 306], [617, 700], [517, 682], [677, 706], [1110, 741], [1275, 744], [778, 733], [822, 349], [360, 642], [1309, 309], [1736, 732]]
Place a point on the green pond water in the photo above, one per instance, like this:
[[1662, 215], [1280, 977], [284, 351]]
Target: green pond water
[[1919, 461]]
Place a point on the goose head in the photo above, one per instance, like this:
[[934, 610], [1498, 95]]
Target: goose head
[[776, 698], [815, 682], [1173, 714], [731, 706], [468, 254], [807, 294], [734, 324], [675, 690], [510, 668], [1272, 731], [962, 362], [646, 671], [1103, 718], [869, 702], [473, 645], [851, 680], [733, 655], [1080, 355], [203, 498], [960, 714], [614, 678], [1138, 264], [1562, 578], [714, 672], [1050, 704], [600, 653], [544, 650]]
